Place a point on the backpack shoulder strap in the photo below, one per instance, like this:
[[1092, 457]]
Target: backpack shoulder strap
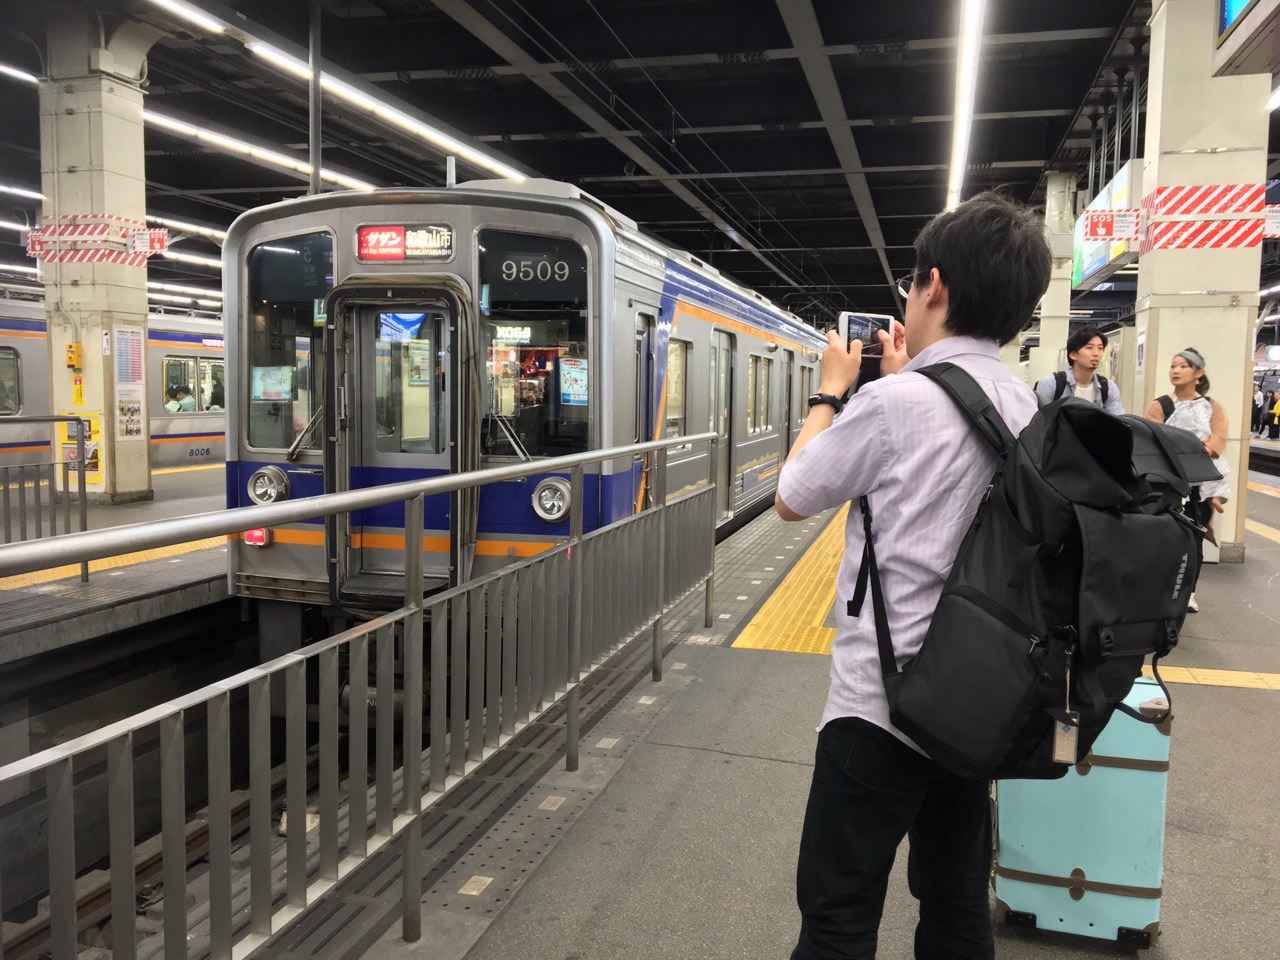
[[1060, 383], [1103, 387], [973, 402], [1166, 405]]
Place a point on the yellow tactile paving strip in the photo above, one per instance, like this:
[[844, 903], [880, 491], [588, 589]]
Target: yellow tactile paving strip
[[792, 619], [1218, 678], [109, 563]]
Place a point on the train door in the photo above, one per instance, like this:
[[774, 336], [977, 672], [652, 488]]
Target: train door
[[788, 398], [721, 382], [646, 402], [396, 416]]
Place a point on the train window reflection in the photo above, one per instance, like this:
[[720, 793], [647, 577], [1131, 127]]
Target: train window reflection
[[10, 387], [288, 281], [533, 305], [677, 365], [407, 368]]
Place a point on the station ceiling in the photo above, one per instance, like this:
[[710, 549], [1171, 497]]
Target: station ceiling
[[797, 145]]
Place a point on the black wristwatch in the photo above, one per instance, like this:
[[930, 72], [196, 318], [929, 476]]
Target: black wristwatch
[[828, 399]]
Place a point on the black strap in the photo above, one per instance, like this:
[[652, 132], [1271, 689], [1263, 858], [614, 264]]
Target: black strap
[[1103, 387], [869, 574], [1060, 378], [1166, 406], [974, 403], [1168, 697]]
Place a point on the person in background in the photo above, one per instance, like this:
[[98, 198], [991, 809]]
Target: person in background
[[171, 402], [1190, 408], [1271, 414], [1259, 408], [217, 397], [1085, 350], [186, 402], [980, 271]]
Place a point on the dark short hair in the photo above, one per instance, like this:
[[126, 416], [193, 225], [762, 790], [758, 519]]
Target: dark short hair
[[1078, 340], [992, 255]]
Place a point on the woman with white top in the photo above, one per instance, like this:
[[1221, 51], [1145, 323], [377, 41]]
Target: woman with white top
[[1190, 408]]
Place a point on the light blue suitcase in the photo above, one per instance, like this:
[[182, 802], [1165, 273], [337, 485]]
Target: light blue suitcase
[[1085, 854]]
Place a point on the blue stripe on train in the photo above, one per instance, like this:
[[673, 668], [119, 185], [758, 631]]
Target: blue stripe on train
[[25, 444]]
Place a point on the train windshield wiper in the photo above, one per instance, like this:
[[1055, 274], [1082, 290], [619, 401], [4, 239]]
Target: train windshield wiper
[[306, 432]]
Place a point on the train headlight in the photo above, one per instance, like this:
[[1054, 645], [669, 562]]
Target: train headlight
[[551, 498], [269, 485]]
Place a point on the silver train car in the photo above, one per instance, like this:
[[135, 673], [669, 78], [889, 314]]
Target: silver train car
[[181, 351], [469, 327]]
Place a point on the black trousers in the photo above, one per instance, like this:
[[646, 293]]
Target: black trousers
[[1201, 513], [869, 791]]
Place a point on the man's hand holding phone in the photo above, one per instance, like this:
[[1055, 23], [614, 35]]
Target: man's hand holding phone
[[841, 365], [893, 349]]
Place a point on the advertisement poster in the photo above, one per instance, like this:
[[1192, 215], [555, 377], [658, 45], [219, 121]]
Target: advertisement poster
[[573, 381], [1139, 354], [128, 411], [419, 364], [129, 367], [92, 444]]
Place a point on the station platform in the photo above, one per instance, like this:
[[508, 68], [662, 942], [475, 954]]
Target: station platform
[[51, 610], [677, 838]]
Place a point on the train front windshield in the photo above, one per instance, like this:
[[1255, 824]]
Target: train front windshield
[[288, 280]]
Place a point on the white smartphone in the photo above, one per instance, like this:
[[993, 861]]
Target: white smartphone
[[865, 327]]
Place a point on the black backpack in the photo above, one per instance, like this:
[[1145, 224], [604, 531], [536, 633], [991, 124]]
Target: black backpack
[[1078, 564], [1060, 380]]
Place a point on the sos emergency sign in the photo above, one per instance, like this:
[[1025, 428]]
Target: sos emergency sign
[[397, 241], [1111, 224]]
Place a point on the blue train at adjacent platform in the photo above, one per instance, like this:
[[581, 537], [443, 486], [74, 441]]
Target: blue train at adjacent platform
[[381, 337], [181, 351]]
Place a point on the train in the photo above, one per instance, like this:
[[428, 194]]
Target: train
[[181, 351], [401, 334]]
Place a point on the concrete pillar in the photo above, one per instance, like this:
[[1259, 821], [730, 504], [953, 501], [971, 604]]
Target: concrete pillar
[[1202, 129], [92, 163], [1055, 308]]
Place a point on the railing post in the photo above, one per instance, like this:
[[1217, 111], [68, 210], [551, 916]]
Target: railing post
[[660, 591], [711, 534], [411, 861], [84, 499], [60, 798], [574, 675]]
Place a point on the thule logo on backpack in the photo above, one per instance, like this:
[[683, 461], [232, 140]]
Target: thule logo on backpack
[[1177, 585]]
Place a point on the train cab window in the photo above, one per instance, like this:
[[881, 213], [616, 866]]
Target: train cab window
[[533, 313], [674, 417], [178, 379], [759, 372], [288, 281], [10, 384], [407, 381]]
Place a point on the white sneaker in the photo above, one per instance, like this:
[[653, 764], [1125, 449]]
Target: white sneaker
[[1192, 606]]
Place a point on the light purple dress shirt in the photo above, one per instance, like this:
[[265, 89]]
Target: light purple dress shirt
[[902, 442]]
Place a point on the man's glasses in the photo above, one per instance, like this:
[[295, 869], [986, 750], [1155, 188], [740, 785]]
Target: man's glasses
[[904, 285]]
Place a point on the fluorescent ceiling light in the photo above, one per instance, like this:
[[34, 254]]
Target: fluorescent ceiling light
[[1270, 290], [190, 14], [183, 288], [383, 111], [17, 74], [971, 15], [1275, 99], [20, 192], [18, 268], [10, 225], [186, 227], [192, 258], [247, 149], [290, 250]]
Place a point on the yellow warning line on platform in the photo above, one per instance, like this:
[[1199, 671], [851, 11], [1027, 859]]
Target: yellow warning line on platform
[[1202, 676], [792, 619], [1264, 489], [109, 563], [1262, 530]]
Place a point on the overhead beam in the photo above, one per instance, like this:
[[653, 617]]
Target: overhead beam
[[806, 37], [487, 33], [849, 173]]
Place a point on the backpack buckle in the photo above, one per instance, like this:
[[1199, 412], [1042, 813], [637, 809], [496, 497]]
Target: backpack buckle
[[1106, 641]]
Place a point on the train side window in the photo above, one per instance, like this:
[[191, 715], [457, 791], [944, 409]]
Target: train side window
[[763, 405], [806, 390], [212, 390], [533, 309], [10, 382], [759, 373], [676, 408], [753, 372], [177, 384]]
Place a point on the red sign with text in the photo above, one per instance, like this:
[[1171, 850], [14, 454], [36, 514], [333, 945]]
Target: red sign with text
[[380, 243], [1119, 224]]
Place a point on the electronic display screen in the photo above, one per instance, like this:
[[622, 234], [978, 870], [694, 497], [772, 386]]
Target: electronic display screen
[[517, 268]]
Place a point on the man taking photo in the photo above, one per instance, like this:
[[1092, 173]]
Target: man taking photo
[[901, 442]]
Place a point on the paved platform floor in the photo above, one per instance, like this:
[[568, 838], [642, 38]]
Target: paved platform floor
[[682, 838]]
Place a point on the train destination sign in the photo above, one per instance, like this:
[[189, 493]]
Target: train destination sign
[[388, 242]]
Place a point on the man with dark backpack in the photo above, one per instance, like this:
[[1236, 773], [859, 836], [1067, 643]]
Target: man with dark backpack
[[914, 456], [1085, 350]]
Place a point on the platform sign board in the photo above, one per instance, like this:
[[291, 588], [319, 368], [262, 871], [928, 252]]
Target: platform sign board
[[1106, 235], [1231, 12]]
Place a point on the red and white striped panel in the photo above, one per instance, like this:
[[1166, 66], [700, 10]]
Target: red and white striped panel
[[1218, 198], [108, 218], [1204, 234], [96, 256]]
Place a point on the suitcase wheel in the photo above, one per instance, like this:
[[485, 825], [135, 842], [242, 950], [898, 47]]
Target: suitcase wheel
[[1128, 937], [1016, 918]]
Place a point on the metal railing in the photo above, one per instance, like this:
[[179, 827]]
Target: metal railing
[[38, 519], [501, 651]]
